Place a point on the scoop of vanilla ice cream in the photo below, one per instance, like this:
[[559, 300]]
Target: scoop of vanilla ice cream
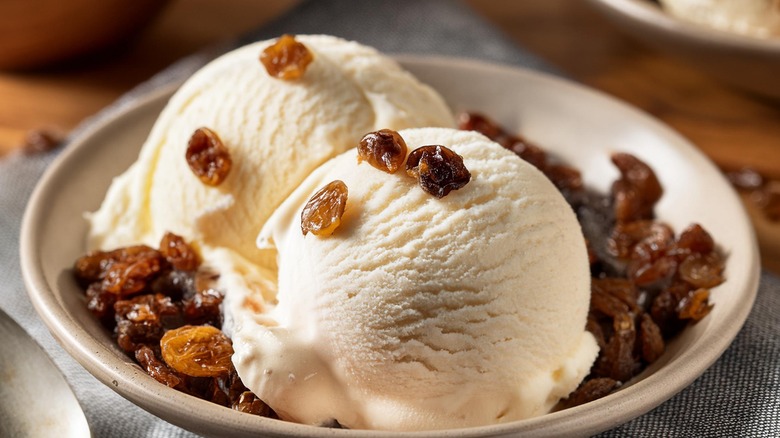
[[276, 131], [759, 18], [421, 313]]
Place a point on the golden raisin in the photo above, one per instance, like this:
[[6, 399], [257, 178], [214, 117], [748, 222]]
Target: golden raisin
[[696, 305], [208, 157], [322, 214], [384, 149], [197, 351], [286, 59], [438, 169]]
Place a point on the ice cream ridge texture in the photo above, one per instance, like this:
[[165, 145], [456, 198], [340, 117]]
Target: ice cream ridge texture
[[417, 312]]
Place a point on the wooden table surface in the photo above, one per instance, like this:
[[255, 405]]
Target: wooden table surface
[[734, 129]]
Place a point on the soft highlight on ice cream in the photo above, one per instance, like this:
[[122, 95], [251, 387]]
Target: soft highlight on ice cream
[[758, 18], [276, 131], [421, 313]]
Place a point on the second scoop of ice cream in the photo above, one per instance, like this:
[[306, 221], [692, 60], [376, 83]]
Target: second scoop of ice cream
[[421, 313]]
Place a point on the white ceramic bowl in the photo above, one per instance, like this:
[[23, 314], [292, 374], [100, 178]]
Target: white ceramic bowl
[[752, 64], [581, 126]]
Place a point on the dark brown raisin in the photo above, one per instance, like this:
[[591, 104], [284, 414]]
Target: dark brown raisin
[[384, 149], [179, 253], [703, 271], [590, 390], [208, 157], [619, 288], [101, 303], [40, 141], [202, 307], [564, 177], [606, 303], [287, 58], [155, 367], [664, 310], [438, 169], [322, 213], [768, 199], [694, 239], [527, 151], [618, 361], [637, 190], [128, 278], [249, 403], [480, 123], [143, 319], [746, 179], [650, 339]]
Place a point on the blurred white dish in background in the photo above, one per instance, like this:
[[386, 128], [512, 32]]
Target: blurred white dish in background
[[759, 18], [746, 62]]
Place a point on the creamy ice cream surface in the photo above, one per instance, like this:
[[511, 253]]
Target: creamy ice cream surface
[[276, 131], [421, 313]]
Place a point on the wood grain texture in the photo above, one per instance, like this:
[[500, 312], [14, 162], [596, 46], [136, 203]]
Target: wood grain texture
[[733, 128]]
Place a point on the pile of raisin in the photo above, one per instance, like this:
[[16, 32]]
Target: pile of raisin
[[647, 284], [164, 312]]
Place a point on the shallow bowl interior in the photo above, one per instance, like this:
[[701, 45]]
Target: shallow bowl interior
[[579, 125]]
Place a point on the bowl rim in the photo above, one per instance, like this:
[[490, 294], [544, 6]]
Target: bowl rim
[[645, 12], [130, 381]]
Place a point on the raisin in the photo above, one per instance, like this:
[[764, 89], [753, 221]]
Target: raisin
[[694, 239], [695, 306], [208, 157], [605, 303], [527, 151], [175, 284], [286, 59], [663, 309], [101, 303], [637, 190], [128, 278], [618, 361], [202, 307], [590, 390], [480, 123], [564, 177], [322, 214], [619, 288], [143, 319], [768, 199], [384, 149], [95, 265], [198, 351], [650, 339], [638, 239], [249, 403], [438, 169], [745, 179], [155, 367], [40, 141], [179, 253], [704, 271]]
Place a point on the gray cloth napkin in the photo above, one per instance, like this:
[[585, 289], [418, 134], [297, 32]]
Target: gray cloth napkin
[[738, 396]]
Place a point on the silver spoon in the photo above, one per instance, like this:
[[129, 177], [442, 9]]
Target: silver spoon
[[35, 399]]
